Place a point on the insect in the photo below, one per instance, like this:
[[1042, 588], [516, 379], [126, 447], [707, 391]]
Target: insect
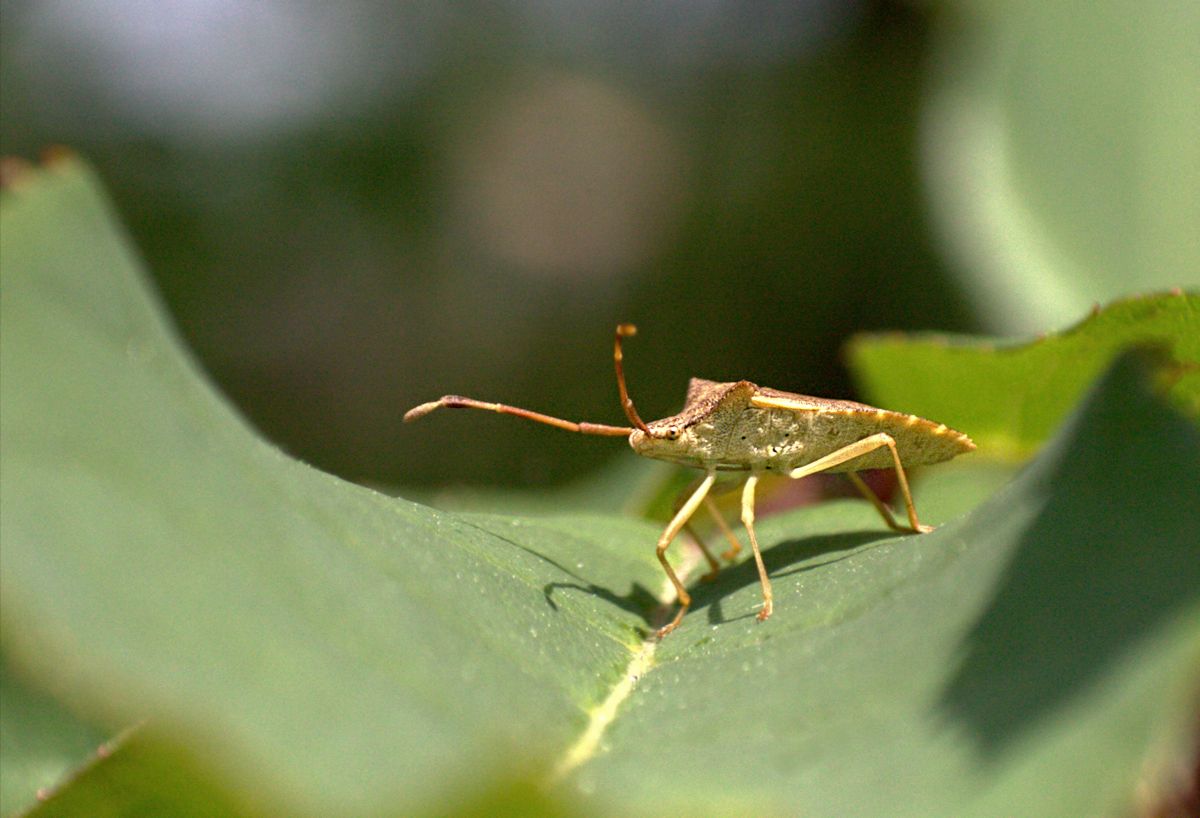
[[751, 430]]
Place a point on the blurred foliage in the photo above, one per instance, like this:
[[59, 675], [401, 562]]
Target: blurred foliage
[[478, 224], [1059, 146], [41, 742], [375, 203]]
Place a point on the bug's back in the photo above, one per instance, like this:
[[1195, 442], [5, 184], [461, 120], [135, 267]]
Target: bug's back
[[740, 426]]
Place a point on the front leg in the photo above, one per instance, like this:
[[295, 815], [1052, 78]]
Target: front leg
[[669, 533], [714, 567], [710, 505]]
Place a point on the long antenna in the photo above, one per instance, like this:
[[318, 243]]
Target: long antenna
[[459, 402], [626, 331]]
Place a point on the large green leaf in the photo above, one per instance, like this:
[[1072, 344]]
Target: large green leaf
[[1060, 148], [1012, 396], [299, 645], [313, 638]]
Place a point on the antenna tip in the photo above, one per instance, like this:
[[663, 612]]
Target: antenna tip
[[626, 330], [421, 411]]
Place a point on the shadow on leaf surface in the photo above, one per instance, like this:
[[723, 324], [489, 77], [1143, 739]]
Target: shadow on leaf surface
[[1109, 556]]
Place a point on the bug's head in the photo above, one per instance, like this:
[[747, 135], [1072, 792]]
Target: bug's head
[[665, 440]]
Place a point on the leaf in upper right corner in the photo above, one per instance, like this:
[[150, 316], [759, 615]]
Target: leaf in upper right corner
[[1010, 397]]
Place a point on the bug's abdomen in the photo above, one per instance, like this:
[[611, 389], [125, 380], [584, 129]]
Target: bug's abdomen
[[918, 441], [781, 440]]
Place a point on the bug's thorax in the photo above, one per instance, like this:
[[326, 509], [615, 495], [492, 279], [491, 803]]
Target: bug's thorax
[[705, 434]]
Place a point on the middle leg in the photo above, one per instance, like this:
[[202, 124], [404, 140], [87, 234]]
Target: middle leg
[[873, 499], [748, 521]]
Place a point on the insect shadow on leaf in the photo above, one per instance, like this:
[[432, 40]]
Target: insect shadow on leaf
[[782, 559], [639, 600]]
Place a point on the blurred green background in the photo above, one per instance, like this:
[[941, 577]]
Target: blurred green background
[[354, 207]]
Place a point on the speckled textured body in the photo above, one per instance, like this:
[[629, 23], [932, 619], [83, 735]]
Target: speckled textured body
[[743, 427]]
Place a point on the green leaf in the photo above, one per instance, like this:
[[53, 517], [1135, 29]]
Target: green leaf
[[1010, 397], [1061, 154], [299, 645], [339, 649], [40, 742], [135, 776]]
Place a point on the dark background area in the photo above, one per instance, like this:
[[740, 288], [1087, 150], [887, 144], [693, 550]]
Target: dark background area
[[352, 208]]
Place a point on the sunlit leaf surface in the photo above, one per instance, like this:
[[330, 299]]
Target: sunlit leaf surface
[[1011, 396]]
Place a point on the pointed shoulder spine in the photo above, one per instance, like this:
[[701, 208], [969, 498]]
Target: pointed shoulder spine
[[697, 387]]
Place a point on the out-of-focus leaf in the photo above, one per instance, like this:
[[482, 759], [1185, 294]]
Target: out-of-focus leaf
[[630, 485], [134, 777], [40, 742], [1061, 153]]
